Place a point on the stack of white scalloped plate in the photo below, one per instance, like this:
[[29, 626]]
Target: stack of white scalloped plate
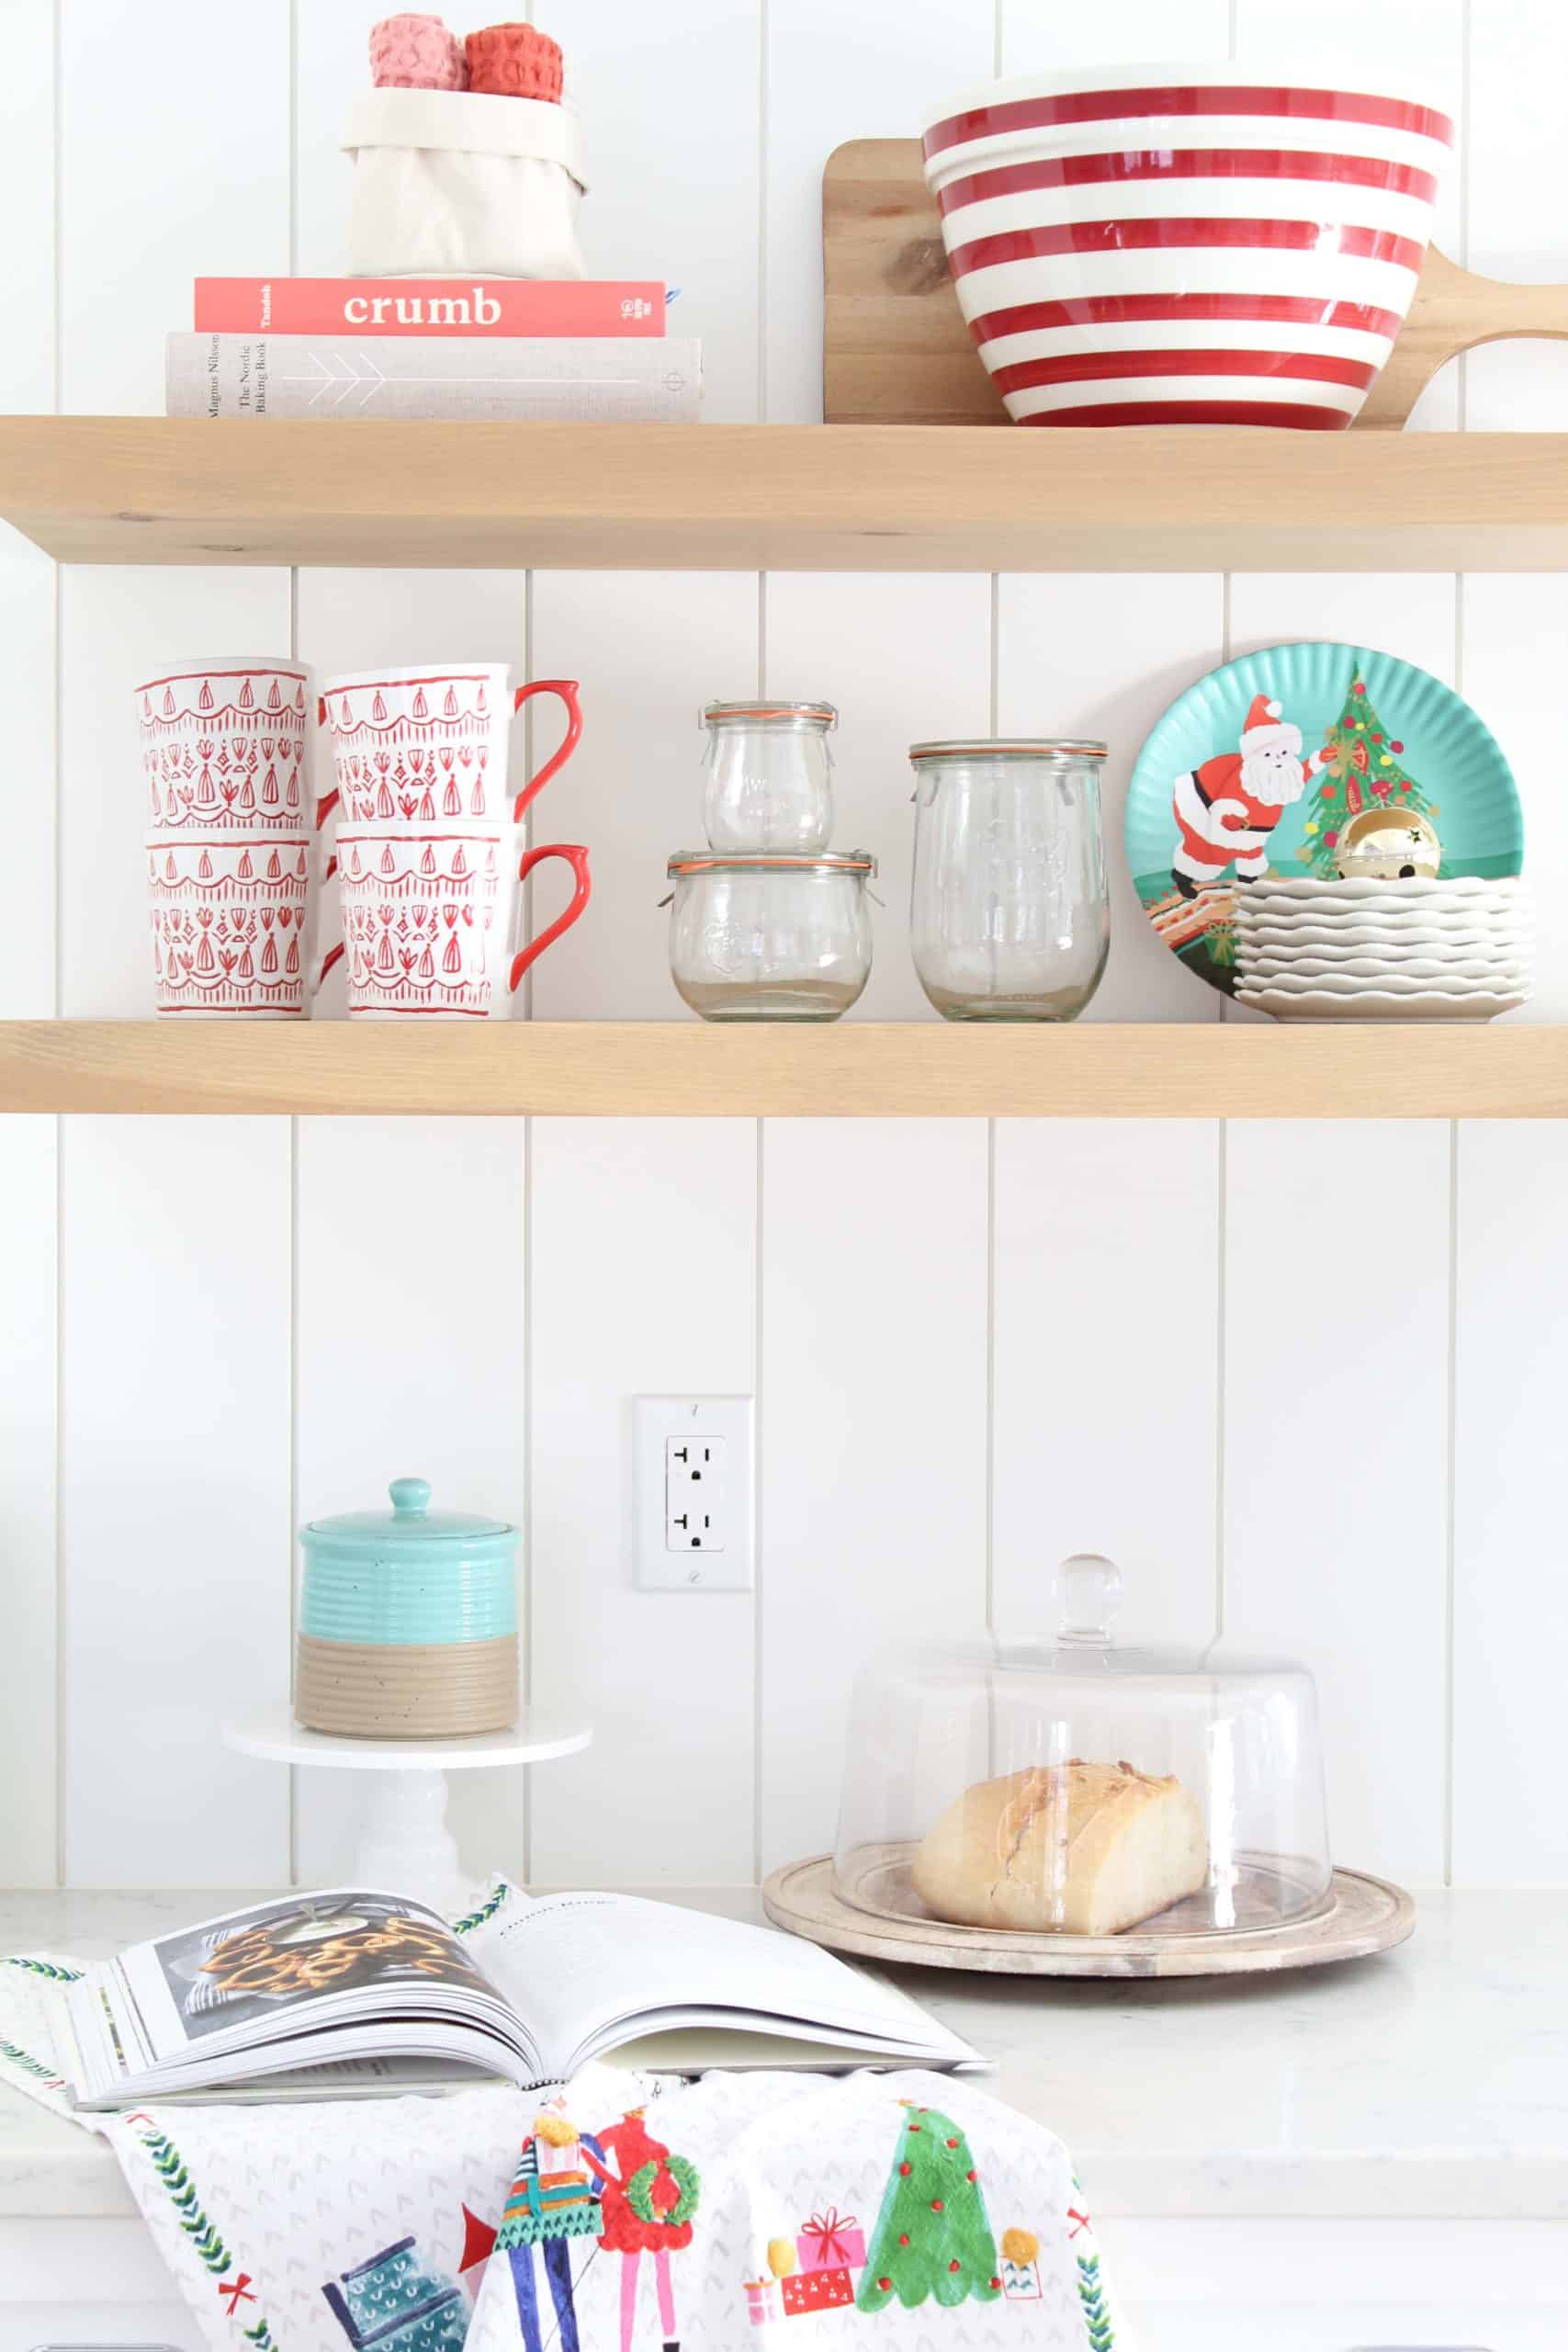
[[1409, 950]]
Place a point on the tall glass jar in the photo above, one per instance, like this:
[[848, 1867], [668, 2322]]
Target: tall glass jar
[[770, 776], [1009, 917]]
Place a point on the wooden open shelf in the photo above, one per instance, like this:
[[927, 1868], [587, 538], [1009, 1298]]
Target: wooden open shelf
[[782, 497], [865, 1069]]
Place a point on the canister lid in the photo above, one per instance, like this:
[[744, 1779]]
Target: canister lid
[[767, 861], [1012, 747], [411, 1520], [763, 714]]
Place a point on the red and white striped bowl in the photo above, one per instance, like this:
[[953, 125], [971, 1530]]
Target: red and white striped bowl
[[1185, 244]]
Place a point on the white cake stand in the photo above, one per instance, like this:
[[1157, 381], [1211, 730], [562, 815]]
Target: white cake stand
[[405, 1847]]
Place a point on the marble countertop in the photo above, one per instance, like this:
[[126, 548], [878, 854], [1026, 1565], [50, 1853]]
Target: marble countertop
[[1431, 2082]]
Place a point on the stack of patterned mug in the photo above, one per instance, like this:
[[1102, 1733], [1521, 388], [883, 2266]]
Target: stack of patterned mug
[[429, 857], [223, 752]]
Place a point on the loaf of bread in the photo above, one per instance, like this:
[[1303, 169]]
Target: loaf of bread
[[1086, 1849]]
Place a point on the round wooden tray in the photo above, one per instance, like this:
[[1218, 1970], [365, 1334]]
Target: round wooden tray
[[1362, 1914]]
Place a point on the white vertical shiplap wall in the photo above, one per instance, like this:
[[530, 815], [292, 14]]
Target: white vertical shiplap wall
[[30, 1824], [1300, 1380]]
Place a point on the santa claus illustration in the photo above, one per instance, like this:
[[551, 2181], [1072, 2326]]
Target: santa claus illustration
[[1226, 810]]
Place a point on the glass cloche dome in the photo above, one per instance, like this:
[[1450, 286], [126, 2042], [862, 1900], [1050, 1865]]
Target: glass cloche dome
[[1072, 1786]]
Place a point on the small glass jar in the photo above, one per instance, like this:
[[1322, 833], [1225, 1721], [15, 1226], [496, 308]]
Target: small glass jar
[[769, 776], [769, 938], [1009, 917]]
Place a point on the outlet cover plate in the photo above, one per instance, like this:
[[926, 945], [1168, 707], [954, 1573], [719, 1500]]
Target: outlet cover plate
[[727, 1567]]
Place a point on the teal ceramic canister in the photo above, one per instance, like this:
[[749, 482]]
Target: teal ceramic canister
[[408, 1621]]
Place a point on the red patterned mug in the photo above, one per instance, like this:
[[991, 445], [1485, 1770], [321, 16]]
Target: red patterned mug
[[230, 915], [429, 918], [223, 744], [426, 745]]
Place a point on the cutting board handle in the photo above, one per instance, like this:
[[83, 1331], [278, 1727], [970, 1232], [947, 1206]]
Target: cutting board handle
[[1456, 309]]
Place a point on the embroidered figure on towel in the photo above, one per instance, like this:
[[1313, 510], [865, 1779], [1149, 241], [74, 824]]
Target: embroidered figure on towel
[[1226, 810], [649, 2203], [554, 2198]]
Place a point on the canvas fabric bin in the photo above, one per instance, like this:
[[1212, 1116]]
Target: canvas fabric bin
[[451, 182]]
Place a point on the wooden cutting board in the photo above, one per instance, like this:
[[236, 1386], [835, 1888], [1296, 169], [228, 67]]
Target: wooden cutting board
[[895, 350]]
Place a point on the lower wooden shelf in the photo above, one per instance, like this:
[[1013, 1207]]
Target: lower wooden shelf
[[853, 1069]]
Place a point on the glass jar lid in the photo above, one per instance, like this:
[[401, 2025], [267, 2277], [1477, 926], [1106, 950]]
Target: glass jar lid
[[763, 861], [1012, 747], [755, 712], [410, 1521]]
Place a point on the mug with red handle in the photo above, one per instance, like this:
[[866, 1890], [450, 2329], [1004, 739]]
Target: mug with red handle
[[430, 917], [223, 744], [232, 919], [427, 744]]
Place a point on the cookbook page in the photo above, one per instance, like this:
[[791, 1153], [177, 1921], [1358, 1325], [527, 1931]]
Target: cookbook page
[[281, 1967], [576, 1968]]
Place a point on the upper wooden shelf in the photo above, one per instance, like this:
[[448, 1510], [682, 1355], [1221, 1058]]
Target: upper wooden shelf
[[854, 1070], [782, 497]]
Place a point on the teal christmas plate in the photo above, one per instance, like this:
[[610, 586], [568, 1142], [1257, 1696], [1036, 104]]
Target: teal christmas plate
[[1285, 764]]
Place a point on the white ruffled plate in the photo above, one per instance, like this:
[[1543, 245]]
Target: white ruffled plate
[[1375, 1006], [1253, 968]]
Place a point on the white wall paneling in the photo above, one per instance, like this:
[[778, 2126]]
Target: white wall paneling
[[410, 1351], [650, 649], [28, 1722], [1106, 1378], [837, 73], [1510, 1588], [29, 1718], [175, 1329], [174, 1244], [643, 1256], [1335, 1454], [1519, 68], [874, 1377], [1037, 34]]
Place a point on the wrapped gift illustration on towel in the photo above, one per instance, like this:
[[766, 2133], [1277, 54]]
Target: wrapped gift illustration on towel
[[1021, 2267], [394, 2300], [831, 2241]]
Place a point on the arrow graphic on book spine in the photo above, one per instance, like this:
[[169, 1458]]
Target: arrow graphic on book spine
[[341, 378]]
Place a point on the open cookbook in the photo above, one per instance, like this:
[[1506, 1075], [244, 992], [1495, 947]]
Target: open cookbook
[[346, 1993]]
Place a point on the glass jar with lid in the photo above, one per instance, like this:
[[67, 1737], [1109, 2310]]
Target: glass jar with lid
[[408, 1621], [1009, 917], [1070, 1785], [769, 781], [769, 937]]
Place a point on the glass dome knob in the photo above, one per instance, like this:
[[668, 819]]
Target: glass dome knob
[[1088, 1588]]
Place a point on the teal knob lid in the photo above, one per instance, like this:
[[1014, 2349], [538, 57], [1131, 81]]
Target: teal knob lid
[[410, 1497]]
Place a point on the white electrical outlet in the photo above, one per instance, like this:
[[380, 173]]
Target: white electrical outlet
[[693, 1504], [692, 1493]]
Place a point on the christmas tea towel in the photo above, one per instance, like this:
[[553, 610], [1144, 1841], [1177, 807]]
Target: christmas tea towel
[[902, 2212], [621, 2214]]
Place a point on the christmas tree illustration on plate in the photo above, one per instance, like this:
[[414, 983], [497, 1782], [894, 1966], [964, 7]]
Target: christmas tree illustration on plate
[[933, 2235], [1361, 773]]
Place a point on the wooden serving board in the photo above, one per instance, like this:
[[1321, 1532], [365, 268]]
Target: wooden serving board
[[895, 350], [1362, 1916]]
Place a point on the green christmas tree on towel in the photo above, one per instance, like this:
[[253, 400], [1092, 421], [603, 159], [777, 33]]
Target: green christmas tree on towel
[[1362, 771], [933, 2236]]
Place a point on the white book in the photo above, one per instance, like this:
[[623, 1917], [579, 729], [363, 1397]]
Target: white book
[[370, 1991], [611, 380]]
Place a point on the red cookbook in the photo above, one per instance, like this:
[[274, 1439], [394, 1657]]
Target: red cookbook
[[497, 306]]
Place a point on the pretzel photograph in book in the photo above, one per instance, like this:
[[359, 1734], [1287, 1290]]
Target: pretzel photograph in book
[[308, 1944], [350, 1990]]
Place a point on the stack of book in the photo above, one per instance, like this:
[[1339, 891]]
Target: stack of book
[[577, 349]]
